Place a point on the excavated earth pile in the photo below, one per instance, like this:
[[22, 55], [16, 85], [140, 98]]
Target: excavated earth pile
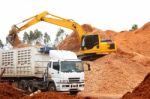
[[54, 95], [140, 92], [115, 74], [135, 41], [119, 72], [9, 92]]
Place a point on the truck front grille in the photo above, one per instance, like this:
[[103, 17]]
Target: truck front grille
[[74, 80]]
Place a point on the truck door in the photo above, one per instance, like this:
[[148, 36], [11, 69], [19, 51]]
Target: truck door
[[55, 69]]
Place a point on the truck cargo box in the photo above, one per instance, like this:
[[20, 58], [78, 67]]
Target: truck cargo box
[[23, 62]]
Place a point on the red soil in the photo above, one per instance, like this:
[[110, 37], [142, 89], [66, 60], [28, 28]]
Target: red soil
[[142, 91], [54, 95], [9, 92]]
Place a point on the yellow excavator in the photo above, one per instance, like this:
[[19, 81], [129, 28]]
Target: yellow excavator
[[90, 43]]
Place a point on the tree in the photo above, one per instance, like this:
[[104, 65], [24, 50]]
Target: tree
[[37, 35], [1, 44], [32, 37], [46, 38], [134, 27], [59, 35], [25, 37], [59, 32]]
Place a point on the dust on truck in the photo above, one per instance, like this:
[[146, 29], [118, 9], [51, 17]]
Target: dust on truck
[[32, 69]]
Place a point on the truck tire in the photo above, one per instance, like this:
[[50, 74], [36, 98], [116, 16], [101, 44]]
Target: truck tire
[[51, 87], [31, 87], [23, 85]]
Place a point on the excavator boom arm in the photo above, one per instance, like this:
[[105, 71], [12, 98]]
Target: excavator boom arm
[[33, 20], [70, 24]]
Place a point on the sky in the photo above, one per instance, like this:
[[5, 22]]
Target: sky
[[115, 15]]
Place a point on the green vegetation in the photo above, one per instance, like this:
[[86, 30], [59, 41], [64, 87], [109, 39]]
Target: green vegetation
[[59, 36], [35, 36], [47, 38], [134, 27]]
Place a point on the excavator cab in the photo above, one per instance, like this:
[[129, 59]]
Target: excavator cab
[[93, 46], [89, 41]]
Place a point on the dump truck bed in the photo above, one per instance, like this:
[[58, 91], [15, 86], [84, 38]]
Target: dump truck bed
[[23, 62]]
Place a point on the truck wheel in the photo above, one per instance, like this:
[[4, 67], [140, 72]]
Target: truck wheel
[[51, 87], [31, 87], [22, 85]]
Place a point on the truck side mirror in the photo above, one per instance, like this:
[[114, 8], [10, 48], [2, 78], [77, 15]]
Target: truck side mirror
[[88, 67]]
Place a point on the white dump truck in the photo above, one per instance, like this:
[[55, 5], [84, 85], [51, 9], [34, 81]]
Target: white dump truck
[[32, 69]]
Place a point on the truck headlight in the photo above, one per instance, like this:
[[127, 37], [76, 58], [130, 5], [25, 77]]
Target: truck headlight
[[63, 81]]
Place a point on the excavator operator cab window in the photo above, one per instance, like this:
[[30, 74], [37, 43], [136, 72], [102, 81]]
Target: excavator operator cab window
[[89, 41]]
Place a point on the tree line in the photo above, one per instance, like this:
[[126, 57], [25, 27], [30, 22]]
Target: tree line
[[37, 37]]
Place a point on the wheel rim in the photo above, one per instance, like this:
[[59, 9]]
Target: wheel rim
[[29, 89], [51, 87]]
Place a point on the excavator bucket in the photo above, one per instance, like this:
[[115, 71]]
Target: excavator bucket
[[12, 37]]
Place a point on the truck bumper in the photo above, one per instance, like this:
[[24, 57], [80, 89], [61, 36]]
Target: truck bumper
[[68, 87]]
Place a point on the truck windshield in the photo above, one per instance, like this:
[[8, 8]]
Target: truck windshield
[[71, 66]]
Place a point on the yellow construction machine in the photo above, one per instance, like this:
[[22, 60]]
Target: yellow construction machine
[[91, 44]]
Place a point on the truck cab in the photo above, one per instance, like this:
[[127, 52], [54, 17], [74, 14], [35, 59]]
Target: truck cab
[[66, 72], [67, 75]]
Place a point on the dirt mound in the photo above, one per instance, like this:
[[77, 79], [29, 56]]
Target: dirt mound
[[54, 95], [119, 72], [115, 74], [87, 27], [140, 92], [49, 95], [72, 42], [8, 92], [145, 28], [136, 41]]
